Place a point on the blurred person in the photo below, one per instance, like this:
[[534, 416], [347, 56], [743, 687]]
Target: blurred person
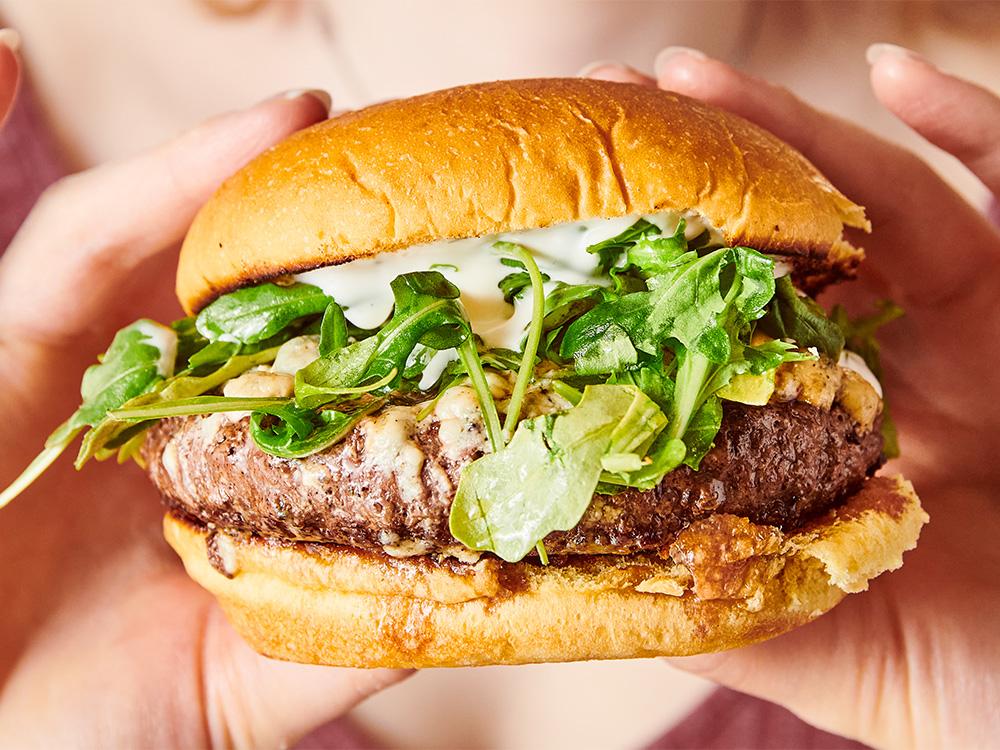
[[521, 697]]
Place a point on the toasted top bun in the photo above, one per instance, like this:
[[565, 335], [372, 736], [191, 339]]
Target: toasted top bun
[[498, 157], [723, 583]]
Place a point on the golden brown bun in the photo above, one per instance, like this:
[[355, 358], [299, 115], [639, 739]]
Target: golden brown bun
[[332, 605], [504, 156]]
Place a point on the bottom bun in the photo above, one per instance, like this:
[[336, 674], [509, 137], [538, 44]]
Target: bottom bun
[[723, 583]]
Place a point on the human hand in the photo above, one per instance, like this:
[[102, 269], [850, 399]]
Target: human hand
[[10, 70], [916, 660], [105, 641]]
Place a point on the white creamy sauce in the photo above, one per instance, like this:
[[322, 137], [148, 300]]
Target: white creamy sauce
[[165, 340], [473, 265]]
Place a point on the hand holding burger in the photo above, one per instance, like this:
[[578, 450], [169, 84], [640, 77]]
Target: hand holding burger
[[106, 642], [911, 661], [273, 435]]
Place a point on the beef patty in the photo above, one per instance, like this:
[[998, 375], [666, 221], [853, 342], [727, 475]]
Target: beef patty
[[390, 483]]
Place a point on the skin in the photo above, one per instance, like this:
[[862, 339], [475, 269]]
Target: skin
[[105, 641], [915, 662]]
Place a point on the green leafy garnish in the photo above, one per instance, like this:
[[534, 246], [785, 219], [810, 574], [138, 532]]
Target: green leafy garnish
[[513, 284], [255, 313], [288, 431], [527, 368], [543, 481], [793, 317], [611, 250], [333, 332], [426, 312], [859, 337]]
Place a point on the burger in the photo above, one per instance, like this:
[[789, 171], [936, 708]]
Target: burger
[[515, 372]]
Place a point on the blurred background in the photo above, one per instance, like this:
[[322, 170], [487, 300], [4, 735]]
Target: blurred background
[[108, 78]]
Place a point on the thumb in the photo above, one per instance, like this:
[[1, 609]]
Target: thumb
[[253, 701], [79, 250]]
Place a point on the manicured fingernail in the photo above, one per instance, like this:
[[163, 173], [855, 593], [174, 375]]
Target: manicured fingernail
[[669, 54], [878, 50], [10, 39], [591, 68], [318, 94]]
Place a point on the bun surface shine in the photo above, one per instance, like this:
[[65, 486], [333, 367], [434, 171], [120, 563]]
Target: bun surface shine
[[497, 157], [319, 604]]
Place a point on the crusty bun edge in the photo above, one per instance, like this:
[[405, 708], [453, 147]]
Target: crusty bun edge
[[497, 157], [331, 605]]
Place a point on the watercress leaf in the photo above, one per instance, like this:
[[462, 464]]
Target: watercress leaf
[[255, 313], [332, 330], [610, 251], [543, 480]]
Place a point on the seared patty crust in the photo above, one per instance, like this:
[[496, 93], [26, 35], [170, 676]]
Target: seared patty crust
[[390, 483]]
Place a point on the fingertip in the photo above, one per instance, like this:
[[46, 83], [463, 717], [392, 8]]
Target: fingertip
[[693, 73], [618, 72]]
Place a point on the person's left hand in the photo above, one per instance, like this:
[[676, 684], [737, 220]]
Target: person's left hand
[[104, 640]]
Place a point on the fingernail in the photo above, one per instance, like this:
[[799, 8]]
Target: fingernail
[[10, 39], [319, 95], [669, 54], [591, 68], [876, 51]]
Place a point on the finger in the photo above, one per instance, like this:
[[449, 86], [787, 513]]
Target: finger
[[82, 245], [10, 71], [609, 70], [253, 701], [906, 201], [955, 115]]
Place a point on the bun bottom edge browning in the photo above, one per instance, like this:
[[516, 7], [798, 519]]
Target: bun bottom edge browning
[[320, 604]]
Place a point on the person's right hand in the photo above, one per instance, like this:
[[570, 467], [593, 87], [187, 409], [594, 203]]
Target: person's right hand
[[104, 641], [915, 662]]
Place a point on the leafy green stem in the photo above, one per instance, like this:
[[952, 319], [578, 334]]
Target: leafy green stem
[[54, 447], [527, 369], [691, 377], [473, 365]]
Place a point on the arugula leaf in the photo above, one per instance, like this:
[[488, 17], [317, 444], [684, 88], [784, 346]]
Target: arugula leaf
[[859, 335], [288, 431], [56, 443], [131, 366], [426, 312], [652, 379], [140, 356], [654, 256], [611, 250], [110, 430], [802, 320], [568, 301], [255, 313], [189, 341], [544, 480], [333, 330]]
